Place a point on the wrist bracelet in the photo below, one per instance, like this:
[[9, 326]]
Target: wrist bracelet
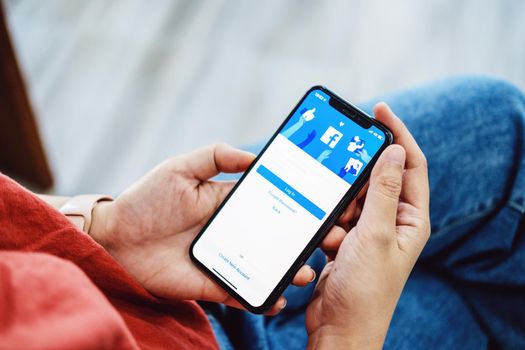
[[79, 209]]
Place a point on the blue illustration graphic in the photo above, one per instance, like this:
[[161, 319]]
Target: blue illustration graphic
[[306, 116], [307, 140], [331, 138]]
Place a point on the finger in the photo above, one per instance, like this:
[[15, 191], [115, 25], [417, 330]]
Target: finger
[[362, 193], [209, 161], [333, 240], [413, 230], [348, 214], [279, 305], [416, 191], [354, 208], [380, 208], [330, 256], [402, 136], [304, 276]]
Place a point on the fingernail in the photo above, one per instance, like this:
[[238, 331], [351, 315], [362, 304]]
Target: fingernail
[[395, 154], [313, 275], [284, 304]]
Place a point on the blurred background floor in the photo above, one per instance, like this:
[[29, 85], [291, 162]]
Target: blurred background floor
[[118, 86]]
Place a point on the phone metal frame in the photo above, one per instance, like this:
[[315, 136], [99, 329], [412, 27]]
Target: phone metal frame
[[351, 112]]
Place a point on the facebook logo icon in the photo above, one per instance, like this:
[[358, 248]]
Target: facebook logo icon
[[331, 137]]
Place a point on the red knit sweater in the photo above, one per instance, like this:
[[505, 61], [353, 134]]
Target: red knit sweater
[[59, 289]]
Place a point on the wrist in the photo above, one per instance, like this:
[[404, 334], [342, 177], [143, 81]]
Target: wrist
[[103, 223], [318, 340], [332, 337]]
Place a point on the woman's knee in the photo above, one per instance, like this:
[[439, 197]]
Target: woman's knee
[[490, 100]]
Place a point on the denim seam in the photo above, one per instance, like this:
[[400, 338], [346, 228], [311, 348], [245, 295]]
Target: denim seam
[[463, 220], [518, 207], [447, 228]]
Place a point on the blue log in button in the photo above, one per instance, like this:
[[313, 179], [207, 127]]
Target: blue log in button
[[291, 192]]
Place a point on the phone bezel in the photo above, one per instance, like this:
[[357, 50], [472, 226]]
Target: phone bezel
[[347, 108]]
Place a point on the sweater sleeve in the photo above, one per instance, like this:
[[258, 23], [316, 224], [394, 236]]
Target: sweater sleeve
[[70, 264], [48, 303]]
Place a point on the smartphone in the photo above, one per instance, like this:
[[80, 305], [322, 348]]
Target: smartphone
[[286, 202]]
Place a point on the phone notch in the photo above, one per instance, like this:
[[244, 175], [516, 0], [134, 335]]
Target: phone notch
[[354, 114]]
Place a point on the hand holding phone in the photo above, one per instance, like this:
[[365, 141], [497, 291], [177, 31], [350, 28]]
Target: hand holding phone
[[150, 226], [357, 293], [283, 206]]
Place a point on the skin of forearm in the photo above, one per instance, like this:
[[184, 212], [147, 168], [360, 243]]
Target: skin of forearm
[[329, 339], [361, 331]]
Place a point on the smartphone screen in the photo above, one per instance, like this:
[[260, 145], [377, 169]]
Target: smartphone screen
[[291, 195]]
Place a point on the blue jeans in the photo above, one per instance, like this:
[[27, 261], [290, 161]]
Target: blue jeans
[[467, 290]]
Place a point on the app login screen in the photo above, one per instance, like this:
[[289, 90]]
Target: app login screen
[[284, 200]]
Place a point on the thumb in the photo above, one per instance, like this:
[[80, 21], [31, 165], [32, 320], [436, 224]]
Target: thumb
[[380, 208], [209, 161]]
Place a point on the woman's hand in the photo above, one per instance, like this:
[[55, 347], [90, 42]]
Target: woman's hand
[[357, 292], [149, 228]]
